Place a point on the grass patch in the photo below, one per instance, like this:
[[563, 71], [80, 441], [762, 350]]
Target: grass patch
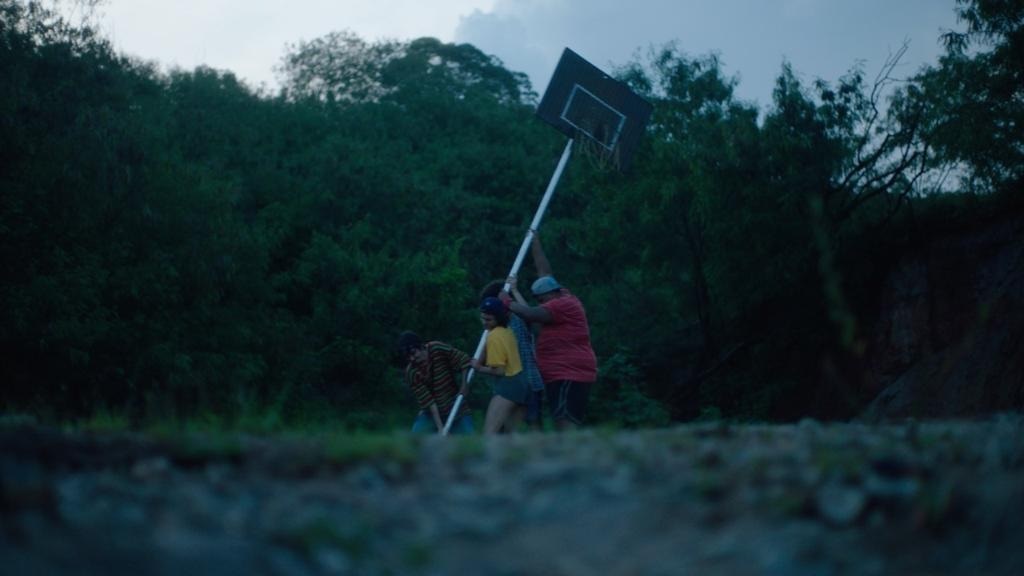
[[465, 448], [191, 444], [347, 448]]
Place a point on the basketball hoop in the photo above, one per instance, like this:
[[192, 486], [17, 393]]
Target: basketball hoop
[[601, 114]]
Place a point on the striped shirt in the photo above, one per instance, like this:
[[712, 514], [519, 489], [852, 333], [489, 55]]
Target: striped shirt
[[437, 380], [525, 341]]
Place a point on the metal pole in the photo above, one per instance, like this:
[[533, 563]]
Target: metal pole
[[534, 226]]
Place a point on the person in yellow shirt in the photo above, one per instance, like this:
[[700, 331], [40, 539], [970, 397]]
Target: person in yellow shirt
[[502, 363]]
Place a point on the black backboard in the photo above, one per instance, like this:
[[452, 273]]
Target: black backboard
[[581, 101]]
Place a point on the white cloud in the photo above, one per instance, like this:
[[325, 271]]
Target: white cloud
[[249, 37], [752, 37], [819, 37], [507, 37]]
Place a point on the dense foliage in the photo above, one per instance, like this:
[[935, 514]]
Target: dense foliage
[[178, 246]]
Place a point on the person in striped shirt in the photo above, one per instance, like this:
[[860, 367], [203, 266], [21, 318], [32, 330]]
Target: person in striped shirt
[[436, 373]]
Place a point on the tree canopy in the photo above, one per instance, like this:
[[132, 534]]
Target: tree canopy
[[178, 245]]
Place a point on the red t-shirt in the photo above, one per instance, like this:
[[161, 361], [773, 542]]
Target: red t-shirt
[[563, 348]]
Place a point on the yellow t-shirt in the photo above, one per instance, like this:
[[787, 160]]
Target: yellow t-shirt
[[502, 350]]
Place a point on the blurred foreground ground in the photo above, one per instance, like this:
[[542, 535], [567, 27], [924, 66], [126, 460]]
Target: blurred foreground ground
[[810, 498]]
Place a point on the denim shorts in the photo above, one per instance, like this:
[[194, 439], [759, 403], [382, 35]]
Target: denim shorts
[[512, 388]]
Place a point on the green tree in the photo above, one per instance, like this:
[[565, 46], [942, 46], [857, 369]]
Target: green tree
[[974, 98]]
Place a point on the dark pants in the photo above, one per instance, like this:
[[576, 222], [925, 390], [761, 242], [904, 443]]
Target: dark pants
[[568, 400]]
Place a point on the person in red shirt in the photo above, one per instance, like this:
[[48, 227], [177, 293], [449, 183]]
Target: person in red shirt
[[564, 355]]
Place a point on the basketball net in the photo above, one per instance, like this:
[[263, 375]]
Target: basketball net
[[597, 155]]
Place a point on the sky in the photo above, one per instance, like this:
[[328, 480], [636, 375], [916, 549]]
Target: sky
[[819, 38]]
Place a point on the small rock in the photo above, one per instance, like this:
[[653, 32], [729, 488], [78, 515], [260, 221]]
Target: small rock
[[840, 504], [150, 468]]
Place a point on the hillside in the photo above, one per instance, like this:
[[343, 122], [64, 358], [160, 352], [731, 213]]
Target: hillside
[[948, 341]]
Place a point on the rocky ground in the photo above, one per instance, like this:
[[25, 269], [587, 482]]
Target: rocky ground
[[804, 499]]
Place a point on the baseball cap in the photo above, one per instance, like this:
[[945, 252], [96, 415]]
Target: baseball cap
[[545, 284], [492, 305]]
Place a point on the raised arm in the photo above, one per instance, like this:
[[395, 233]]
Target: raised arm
[[532, 314], [513, 288], [540, 259]]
